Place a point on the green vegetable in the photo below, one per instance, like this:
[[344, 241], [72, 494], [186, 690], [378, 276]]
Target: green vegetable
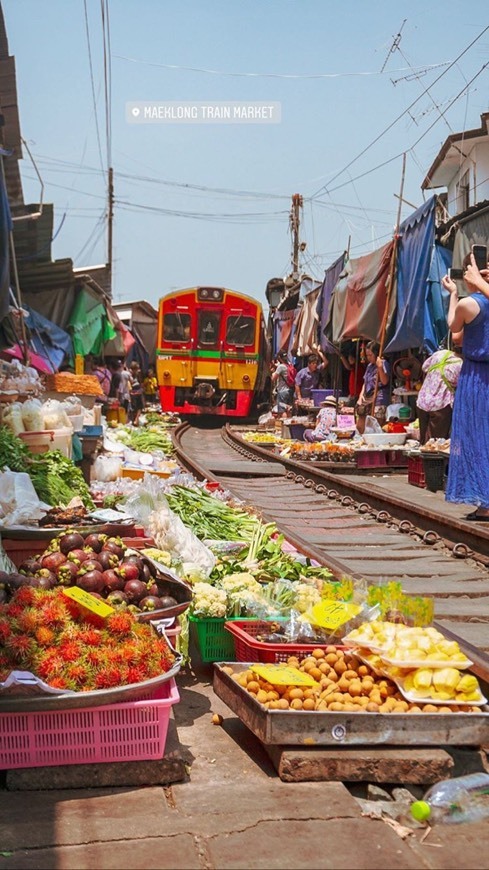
[[57, 480], [211, 518], [13, 451]]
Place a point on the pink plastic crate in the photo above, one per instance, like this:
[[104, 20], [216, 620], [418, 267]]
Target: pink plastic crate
[[129, 731], [371, 459]]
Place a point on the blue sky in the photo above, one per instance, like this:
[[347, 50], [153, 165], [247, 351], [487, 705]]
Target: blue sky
[[326, 123]]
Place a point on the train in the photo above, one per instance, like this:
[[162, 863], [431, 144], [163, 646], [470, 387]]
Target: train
[[212, 353]]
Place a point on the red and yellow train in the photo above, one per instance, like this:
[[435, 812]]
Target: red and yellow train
[[212, 352]]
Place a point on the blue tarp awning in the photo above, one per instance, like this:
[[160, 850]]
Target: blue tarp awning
[[47, 339], [437, 299], [413, 265]]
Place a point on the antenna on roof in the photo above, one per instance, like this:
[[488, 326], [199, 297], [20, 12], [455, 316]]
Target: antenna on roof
[[394, 46]]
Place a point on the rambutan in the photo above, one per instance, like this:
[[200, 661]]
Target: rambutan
[[94, 657], [120, 623], [44, 636], [20, 648], [13, 610], [60, 683], [5, 631], [108, 678], [77, 673], [89, 636], [29, 620], [70, 650], [25, 596], [54, 614], [136, 674], [48, 664]]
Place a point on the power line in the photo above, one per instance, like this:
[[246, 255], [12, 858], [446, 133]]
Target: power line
[[87, 29], [215, 72], [107, 82], [394, 122]]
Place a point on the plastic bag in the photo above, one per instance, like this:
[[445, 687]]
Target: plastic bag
[[147, 498], [32, 415], [55, 416], [185, 548], [265, 418], [107, 468], [19, 502], [72, 406], [12, 417], [372, 427]]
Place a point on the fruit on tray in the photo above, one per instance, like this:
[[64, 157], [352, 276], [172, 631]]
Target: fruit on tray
[[341, 684], [405, 643], [442, 684], [101, 565]]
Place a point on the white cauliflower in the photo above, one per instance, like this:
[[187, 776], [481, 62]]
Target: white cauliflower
[[209, 601], [306, 597]]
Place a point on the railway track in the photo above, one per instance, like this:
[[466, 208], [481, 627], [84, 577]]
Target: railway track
[[363, 527]]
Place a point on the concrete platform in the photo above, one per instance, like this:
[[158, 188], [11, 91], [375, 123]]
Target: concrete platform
[[362, 764]]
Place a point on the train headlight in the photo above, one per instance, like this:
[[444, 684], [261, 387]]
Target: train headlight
[[216, 294], [246, 379]]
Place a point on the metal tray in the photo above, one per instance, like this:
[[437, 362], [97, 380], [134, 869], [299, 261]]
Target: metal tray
[[301, 728], [27, 703], [45, 533]]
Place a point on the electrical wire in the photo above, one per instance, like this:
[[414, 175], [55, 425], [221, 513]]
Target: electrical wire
[[87, 29], [104, 9], [256, 75], [395, 121]]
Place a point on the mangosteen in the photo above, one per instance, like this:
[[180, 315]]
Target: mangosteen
[[52, 561], [70, 541], [117, 599], [168, 601], [146, 573], [92, 581], [44, 582], [115, 545], [95, 541], [108, 559], [3, 595], [135, 560], [128, 570], [113, 581], [78, 556], [67, 572], [152, 589], [151, 602], [90, 565], [134, 609], [15, 581], [30, 566], [135, 590], [46, 574]]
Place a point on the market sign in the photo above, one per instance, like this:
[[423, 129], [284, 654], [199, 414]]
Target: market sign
[[282, 675], [332, 614]]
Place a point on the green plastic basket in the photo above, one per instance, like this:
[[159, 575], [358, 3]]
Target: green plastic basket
[[214, 642]]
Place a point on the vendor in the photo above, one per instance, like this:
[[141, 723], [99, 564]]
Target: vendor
[[435, 398], [356, 371], [324, 421], [377, 375], [309, 377]]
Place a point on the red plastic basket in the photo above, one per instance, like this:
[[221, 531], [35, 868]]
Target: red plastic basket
[[416, 472], [371, 459], [248, 649], [129, 731]]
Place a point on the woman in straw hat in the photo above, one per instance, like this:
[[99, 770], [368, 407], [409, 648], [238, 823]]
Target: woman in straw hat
[[325, 420]]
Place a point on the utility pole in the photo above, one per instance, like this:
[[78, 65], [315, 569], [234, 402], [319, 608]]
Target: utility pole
[[110, 228], [297, 203]]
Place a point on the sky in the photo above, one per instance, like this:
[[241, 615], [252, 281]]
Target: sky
[[208, 203]]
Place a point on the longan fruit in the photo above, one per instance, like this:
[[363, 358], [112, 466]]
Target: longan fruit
[[350, 675], [355, 688], [295, 694], [340, 667], [228, 670], [296, 704], [331, 658], [318, 653], [324, 668], [330, 649], [372, 708], [261, 696], [308, 704], [335, 706], [350, 707], [414, 709], [309, 693], [384, 708], [321, 705], [273, 696], [315, 673], [429, 708], [253, 686], [363, 671], [283, 704]]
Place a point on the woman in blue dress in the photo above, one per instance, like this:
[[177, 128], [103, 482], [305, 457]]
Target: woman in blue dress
[[468, 471]]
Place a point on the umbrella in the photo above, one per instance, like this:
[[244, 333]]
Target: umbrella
[[34, 359]]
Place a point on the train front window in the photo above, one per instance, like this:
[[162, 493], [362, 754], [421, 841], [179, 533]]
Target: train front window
[[240, 330], [209, 324], [176, 327]]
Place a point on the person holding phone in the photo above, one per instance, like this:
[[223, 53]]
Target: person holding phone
[[468, 470]]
